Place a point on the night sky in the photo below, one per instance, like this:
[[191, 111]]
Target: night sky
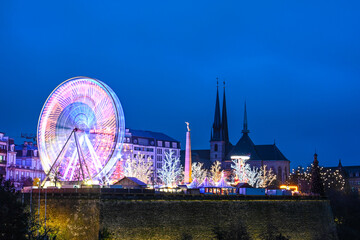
[[296, 63]]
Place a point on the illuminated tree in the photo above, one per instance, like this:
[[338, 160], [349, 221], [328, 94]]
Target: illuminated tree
[[238, 167], [332, 179], [171, 171], [252, 175], [215, 171], [138, 167], [198, 172], [266, 177]]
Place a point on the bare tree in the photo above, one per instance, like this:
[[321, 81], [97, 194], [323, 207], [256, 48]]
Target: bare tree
[[171, 171], [238, 167], [253, 175], [198, 172], [266, 176], [138, 167], [215, 171]]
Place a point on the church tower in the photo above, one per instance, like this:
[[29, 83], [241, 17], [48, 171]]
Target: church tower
[[219, 134]]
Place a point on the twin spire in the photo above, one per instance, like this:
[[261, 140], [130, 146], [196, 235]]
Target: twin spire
[[220, 131], [220, 127]]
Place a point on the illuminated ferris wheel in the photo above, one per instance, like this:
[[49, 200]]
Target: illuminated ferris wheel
[[80, 131]]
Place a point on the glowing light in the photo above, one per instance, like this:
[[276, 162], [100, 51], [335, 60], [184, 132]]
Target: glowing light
[[240, 157], [287, 187], [89, 109]]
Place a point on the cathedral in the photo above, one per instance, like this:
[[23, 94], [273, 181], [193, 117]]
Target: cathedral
[[221, 148]]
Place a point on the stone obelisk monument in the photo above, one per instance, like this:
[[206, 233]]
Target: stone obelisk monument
[[188, 156]]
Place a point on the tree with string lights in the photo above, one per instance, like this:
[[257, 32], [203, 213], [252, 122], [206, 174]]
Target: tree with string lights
[[198, 171], [171, 171], [215, 171], [139, 167]]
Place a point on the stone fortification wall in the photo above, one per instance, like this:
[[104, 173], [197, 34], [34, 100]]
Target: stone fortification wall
[[174, 219]]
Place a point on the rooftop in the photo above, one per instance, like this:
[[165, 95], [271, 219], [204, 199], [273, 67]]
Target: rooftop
[[150, 134]]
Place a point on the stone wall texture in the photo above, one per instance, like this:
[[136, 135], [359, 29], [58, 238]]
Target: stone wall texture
[[173, 219]]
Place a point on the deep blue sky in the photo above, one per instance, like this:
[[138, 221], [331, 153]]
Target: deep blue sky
[[297, 64]]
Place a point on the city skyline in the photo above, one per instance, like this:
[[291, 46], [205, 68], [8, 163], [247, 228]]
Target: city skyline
[[299, 75]]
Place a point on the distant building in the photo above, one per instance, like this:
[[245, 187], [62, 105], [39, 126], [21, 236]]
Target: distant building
[[7, 153], [152, 145], [21, 163], [352, 175], [26, 165], [221, 149]]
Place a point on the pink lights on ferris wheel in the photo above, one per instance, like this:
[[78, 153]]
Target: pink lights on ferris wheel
[[80, 130]]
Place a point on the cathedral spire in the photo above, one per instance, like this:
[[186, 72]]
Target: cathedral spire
[[245, 127], [225, 131], [217, 124]]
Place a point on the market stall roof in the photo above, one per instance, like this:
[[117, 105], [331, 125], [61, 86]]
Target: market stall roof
[[223, 184], [207, 183], [194, 184]]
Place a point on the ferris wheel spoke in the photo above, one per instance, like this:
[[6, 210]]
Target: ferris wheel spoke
[[78, 151], [94, 156], [70, 164], [82, 154]]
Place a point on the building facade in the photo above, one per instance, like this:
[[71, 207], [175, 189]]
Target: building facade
[[7, 153], [152, 145], [26, 165]]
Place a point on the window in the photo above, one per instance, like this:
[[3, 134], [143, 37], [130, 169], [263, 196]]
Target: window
[[174, 145], [216, 148], [159, 158], [159, 143], [159, 151], [167, 144], [28, 162], [159, 165], [285, 174]]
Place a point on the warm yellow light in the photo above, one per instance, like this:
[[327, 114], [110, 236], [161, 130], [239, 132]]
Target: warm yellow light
[[287, 187]]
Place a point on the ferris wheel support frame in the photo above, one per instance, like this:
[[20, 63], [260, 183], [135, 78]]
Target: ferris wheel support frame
[[80, 154]]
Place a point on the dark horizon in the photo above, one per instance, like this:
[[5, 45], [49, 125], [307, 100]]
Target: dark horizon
[[296, 65]]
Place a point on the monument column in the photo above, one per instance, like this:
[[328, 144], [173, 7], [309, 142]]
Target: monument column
[[187, 178]]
